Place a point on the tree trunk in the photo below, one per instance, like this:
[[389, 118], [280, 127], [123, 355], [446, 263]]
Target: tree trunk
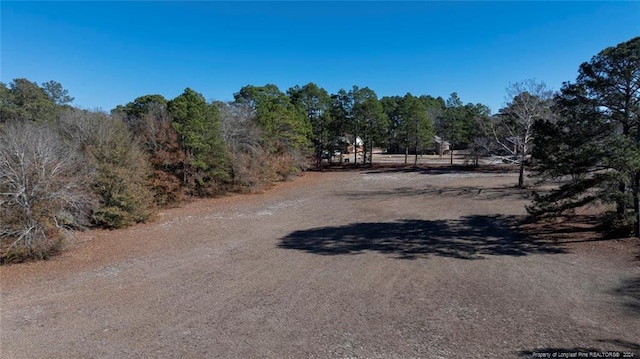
[[355, 149], [415, 161], [636, 205], [451, 152], [185, 167], [371, 158], [621, 205], [364, 152], [406, 154], [636, 195], [521, 175]]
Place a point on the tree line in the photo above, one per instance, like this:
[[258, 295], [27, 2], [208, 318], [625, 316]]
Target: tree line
[[65, 168]]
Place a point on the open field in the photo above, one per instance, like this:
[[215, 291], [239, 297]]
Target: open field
[[371, 263], [427, 159]]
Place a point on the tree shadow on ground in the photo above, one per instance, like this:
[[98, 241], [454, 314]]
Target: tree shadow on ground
[[574, 230], [480, 193], [629, 290], [564, 229], [622, 344], [470, 237], [433, 169], [439, 169]]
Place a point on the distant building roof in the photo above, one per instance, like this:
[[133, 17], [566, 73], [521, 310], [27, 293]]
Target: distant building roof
[[349, 139], [439, 141]]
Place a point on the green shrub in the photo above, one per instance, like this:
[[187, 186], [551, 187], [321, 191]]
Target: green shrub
[[121, 170]]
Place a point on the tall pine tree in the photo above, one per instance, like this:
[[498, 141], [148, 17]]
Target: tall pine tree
[[207, 168], [594, 141]]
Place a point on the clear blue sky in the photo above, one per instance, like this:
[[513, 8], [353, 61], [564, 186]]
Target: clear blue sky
[[108, 53]]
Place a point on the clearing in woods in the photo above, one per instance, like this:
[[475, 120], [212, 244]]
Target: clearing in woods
[[371, 263]]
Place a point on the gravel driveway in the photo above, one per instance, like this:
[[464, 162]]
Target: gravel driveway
[[355, 264]]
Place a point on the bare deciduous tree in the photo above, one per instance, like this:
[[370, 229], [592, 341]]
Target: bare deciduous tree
[[244, 139], [42, 189], [511, 130], [239, 129], [151, 127]]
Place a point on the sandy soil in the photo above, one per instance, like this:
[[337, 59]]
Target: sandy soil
[[385, 263]]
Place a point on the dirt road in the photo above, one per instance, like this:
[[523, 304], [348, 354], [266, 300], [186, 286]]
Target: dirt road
[[362, 264]]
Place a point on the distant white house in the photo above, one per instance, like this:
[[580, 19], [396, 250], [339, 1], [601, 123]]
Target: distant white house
[[350, 141], [442, 146]]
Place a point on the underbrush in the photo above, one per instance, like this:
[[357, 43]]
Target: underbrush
[[31, 243]]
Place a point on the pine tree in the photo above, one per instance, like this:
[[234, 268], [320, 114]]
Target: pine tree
[[593, 145], [207, 165]]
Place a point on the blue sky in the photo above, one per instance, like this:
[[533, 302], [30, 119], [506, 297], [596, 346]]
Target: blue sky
[[109, 53]]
